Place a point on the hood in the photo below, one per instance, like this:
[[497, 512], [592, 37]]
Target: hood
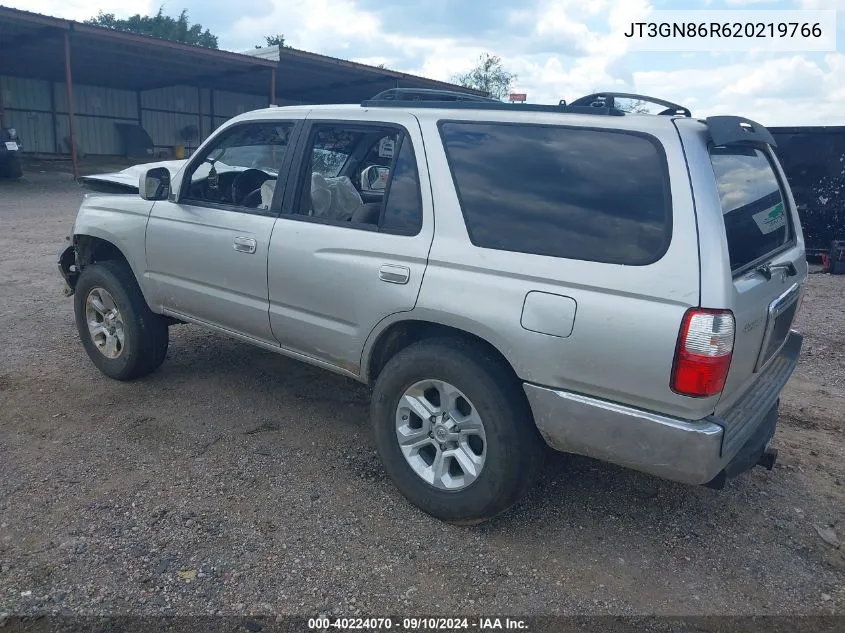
[[129, 178]]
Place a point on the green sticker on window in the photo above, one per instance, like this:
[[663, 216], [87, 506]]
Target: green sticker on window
[[770, 220]]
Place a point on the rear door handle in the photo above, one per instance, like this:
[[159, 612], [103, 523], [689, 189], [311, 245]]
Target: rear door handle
[[245, 244], [393, 274]]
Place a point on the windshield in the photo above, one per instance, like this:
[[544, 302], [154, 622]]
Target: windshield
[[251, 147], [332, 148], [264, 157], [328, 163]]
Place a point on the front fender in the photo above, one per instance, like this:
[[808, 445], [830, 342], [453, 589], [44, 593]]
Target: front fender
[[120, 220], [68, 268]]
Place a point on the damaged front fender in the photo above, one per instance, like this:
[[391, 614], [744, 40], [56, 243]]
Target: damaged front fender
[[126, 180], [68, 268]]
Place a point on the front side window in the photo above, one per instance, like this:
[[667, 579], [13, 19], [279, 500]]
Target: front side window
[[361, 176], [573, 193], [240, 168], [753, 206]]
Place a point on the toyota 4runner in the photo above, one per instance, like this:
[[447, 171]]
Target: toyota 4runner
[[505, 277]]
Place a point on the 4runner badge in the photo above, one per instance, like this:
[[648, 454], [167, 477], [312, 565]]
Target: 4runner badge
[[752, 324]]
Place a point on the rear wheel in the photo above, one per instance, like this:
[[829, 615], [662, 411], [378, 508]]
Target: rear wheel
[[120, 333], [454, 431]]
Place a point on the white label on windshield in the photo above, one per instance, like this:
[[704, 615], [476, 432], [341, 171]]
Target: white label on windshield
[[771, 219], [385, 147], [12, 147]]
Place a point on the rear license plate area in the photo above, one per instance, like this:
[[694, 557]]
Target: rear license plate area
[[781, 314]]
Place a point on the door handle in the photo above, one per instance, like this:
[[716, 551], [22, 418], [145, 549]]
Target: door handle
[[245, 244], [393, 274]]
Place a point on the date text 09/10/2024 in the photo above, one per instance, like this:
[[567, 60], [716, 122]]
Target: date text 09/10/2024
[[406, 625]]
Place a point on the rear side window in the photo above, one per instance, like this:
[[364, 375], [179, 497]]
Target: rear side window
[[575, 193], [752, 204], [403, 207]]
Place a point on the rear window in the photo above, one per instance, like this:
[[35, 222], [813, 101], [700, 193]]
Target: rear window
[[574, 193], [753, 207]]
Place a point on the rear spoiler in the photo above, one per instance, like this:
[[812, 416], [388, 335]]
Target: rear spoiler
[[735, 130]]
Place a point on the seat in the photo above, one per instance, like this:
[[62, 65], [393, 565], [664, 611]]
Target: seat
[[267, 189], [368, 214]]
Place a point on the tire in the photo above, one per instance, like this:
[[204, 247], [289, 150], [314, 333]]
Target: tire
[[513, 450], [145, 334]]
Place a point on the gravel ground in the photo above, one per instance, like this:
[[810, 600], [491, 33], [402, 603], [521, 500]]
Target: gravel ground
[[235, 481]]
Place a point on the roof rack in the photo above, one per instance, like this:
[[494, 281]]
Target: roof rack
[[608, 100], [454, 100], [429, 94]]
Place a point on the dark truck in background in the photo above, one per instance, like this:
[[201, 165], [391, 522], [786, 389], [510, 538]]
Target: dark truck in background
[[10, 147], [813, 158]]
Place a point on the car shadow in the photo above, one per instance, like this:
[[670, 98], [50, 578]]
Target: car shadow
[[575, 489]]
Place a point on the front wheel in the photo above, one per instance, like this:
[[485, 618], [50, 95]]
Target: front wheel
[[121, 335], [454, 431]]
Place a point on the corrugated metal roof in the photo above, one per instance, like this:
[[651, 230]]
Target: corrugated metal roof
[[106, 57], [116, 59], [286, 55]]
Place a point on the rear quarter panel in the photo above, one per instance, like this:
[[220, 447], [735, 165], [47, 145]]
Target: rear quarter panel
[[622, 344], [747, 295]]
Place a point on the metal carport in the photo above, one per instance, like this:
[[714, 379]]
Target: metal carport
[[70, 55]]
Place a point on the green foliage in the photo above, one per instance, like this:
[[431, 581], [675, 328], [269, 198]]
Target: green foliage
[[489, 76], [159, 25], [273, 40]]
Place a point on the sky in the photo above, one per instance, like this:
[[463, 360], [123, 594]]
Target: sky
[[559, 49]]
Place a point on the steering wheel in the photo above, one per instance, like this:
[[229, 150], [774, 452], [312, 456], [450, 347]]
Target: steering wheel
[[247, 181], [252, 199]]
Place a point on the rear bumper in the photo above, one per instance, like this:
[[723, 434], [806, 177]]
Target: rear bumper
[[689, 451]]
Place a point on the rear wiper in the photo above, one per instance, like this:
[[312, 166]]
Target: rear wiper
[[767, 270]]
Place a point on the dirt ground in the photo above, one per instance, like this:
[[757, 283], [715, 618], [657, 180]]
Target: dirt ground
[[236, 481]]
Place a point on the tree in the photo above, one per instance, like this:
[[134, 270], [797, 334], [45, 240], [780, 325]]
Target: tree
[[489, 76], [635, 106], [273, 40], [159, 25]]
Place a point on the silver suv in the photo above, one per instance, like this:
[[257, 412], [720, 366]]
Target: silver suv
[[505, 277]]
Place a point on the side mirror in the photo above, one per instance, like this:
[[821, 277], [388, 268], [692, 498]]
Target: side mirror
[[374, 178], [155, 184]]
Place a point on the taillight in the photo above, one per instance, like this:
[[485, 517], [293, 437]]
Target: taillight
[[703, 357]]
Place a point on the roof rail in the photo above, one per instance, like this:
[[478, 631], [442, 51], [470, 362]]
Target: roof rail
[[608, 100], [428, 94], [454, 100]]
